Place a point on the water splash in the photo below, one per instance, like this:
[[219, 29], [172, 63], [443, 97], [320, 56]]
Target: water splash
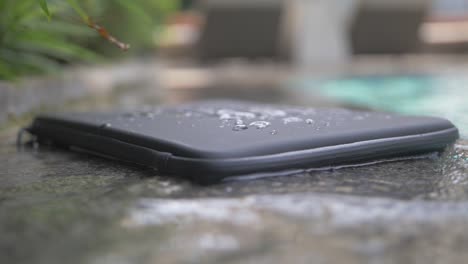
[[239, 116]]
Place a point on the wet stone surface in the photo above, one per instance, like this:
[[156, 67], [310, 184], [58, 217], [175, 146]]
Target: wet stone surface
[[57, 205]]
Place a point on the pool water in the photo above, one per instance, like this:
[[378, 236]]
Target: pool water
[[443, 96]]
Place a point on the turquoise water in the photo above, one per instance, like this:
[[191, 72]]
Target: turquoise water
[[444, 96]]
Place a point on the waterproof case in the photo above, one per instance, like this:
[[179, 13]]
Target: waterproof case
[[209, 141]]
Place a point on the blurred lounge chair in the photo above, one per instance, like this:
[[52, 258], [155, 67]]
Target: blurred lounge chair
[[387, 26], [240, 29]]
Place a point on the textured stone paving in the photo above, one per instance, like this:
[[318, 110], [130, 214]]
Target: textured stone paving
[[58, 206]]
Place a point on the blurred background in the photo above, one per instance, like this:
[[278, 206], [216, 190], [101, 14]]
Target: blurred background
[[345, 52], [298, 33], [255, 49]]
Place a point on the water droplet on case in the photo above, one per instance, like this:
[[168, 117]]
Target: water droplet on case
[[105, 125], [149, 115], [260, 124], [128, 115], [239, 127], [291, 119], [224, 114]]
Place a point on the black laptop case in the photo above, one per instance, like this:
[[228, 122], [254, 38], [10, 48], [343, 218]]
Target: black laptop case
[[209, 141]]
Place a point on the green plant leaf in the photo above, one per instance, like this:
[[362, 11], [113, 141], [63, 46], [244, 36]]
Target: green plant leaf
[[20, 62], [138, 11], [58, 48], [78, 10], [63, 29], [43, 4], [6, 73]]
